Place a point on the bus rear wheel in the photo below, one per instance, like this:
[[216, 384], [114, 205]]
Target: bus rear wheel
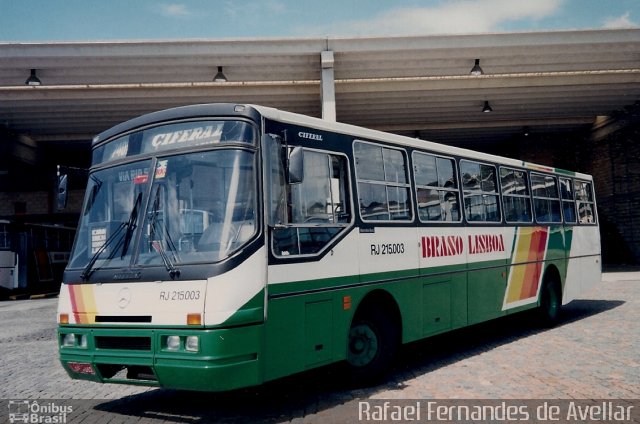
[[550, 302], [371, 345]]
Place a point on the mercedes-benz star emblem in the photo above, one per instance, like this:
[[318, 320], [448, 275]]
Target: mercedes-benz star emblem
[[124, 297]]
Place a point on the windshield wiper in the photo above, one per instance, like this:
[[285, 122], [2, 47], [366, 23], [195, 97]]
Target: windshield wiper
[[131, 225], [88, 270], [122, 239], [174, 271]]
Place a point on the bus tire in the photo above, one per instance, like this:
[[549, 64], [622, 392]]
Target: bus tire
[[550, 302], [372, 343]]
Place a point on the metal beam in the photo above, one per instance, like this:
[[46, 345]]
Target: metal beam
[[328, 86]]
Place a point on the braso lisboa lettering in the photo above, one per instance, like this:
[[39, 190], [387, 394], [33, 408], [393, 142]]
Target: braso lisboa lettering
[[441, 246]]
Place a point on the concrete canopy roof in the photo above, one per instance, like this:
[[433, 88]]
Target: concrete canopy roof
[[547, 81]]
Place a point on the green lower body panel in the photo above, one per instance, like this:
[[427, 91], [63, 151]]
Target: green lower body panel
[[224, 359]]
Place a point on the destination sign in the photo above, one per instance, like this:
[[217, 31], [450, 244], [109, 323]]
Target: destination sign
[[174, 136], [187, 137]]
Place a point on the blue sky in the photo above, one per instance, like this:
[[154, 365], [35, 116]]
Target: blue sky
[[78, 20]]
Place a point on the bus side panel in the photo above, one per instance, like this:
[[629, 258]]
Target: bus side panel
[[487, 250], [534, 250], [584, 262], [442, 264], [559, 245], [305, 332], [285, 335], [389, 260], [390, 252], [311, 330], [568, 242], [437, 308], [307, 308]]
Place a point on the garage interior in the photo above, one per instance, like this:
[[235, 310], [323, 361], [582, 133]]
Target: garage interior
[[567, 99]]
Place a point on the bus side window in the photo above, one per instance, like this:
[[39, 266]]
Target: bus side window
[[383, 183], [568, 202], [436, 188], [546, 199], [480, 191], [515, 195], [585, 203], [311, 199], [318, 207]]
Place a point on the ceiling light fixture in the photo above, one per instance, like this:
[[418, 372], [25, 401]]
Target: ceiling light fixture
[[487, 107], [476, 70], [220, 77], [33, 79]]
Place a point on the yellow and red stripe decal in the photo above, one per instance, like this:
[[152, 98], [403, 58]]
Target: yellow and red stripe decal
[[526, 264], [83, 303], [536, 167]]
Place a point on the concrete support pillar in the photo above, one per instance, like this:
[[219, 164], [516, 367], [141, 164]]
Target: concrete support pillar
[[327, 88]]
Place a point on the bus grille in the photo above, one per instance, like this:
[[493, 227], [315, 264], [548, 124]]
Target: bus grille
[[124, 343], [123, 318]]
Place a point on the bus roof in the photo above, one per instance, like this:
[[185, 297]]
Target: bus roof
[[183, 112], [369, 134], [253, 112]]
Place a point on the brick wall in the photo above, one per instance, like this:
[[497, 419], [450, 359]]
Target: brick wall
[[37, 202], [615, 165]]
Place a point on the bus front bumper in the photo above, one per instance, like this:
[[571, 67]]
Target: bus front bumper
[[189, 359]]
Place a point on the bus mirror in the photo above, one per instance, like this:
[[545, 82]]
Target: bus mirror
[[61, 192], [295, 173]]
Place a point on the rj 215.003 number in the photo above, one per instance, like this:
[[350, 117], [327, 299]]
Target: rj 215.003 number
[[180, 295], [387, 249]]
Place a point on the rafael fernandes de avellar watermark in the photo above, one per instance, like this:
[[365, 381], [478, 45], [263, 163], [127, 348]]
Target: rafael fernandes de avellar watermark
[[483, 410]]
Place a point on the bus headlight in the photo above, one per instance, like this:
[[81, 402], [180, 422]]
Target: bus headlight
[[75, 340], [82, 341], [173, 342], [192, 344], [69, 340]]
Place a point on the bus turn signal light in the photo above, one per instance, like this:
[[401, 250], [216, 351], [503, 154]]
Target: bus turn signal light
[[64, 319], [194, 319], [346, 303]]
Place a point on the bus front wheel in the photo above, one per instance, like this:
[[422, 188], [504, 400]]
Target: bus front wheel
[[371, 346]]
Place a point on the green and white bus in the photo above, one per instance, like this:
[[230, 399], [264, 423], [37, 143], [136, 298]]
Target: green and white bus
[[222, 246]]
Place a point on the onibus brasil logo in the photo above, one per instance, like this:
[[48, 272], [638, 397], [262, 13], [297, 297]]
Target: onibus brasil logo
[[24, 411]]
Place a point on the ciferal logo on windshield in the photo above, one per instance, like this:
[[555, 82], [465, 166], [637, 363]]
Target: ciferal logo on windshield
[[209, 133], [310, 136]]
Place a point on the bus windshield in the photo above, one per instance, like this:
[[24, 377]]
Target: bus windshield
[[199, 207]]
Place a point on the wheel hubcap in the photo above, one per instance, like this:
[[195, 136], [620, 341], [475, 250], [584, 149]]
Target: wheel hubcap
[[363, 345]]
